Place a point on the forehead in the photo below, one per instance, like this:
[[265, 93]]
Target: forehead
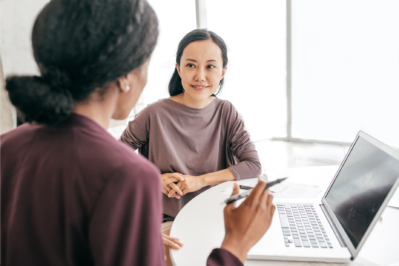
[[202, 51]]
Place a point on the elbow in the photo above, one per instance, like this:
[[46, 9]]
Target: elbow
[[257, 168]]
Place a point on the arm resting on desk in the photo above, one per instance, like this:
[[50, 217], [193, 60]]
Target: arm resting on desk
[[220, 256]]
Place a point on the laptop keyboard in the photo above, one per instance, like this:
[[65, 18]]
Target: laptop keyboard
[[302, 226]]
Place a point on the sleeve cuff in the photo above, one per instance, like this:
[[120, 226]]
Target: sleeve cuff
[[220, 256]]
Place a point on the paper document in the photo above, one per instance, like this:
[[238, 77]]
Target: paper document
[[394, 202], [293, 190], [283, 190], [248, 182]]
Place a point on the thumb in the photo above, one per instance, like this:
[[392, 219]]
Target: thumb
[[231, 206], [236, 190]]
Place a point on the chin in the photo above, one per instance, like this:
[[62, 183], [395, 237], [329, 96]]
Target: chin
[[201, 95]]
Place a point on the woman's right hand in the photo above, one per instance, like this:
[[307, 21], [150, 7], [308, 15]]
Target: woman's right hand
[[169, 188], [246, 224]]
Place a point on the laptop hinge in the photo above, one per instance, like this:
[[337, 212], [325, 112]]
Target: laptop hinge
[[337, 234]]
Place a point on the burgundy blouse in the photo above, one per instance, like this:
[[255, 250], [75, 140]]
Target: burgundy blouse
[[73, 195]]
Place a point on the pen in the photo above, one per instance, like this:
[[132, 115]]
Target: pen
[[246, 193]]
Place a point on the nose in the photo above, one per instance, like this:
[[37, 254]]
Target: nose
[[200, 75]]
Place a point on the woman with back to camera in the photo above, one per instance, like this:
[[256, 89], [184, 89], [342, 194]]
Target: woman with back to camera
[[194, 137], [71, 194]]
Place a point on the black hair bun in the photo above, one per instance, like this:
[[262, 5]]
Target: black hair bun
[[39, 101]]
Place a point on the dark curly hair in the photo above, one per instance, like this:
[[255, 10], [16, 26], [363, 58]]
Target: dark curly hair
[[175, 86], [81, 45]]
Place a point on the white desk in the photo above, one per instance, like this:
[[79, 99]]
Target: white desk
[[200, 226]]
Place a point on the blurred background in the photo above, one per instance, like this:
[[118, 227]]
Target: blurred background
[[305, 75]]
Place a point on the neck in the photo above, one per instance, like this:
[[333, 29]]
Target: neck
[[197, 104], [98, 110]]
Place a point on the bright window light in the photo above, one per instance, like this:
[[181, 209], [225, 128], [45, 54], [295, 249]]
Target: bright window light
[[255, 82], [176, 19], [345, 69]]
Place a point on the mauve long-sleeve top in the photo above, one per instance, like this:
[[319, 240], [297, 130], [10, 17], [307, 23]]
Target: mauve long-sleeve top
[[72, 195], [190, 141]]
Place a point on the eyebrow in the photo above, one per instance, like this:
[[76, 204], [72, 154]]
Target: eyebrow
[[211, 60]]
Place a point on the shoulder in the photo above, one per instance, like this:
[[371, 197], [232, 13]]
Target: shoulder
[[226, 108], [18, 134], [117, 160], [225, 104], [156, 107], [114, 154], [134, 168]]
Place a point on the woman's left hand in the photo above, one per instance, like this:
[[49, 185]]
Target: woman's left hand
[[171, 242], [190, 184]]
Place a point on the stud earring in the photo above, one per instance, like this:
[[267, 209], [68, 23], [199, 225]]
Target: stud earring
[[127, 88]]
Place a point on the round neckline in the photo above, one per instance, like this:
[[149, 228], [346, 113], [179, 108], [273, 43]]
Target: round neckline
[[191, 109]]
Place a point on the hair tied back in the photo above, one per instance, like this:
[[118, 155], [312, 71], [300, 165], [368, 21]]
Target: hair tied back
[[56, 79]]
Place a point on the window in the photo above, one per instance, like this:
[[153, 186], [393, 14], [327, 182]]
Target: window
[[345, 69], [255, 82], [176, 19]]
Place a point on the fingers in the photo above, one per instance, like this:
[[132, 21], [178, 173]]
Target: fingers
[[269, 199], [182, 185], [169, 243], [272, 209], [170, 180], [173, 239], [171, 193], [175, 188], [257, 191], [265, 198], [177, 176]]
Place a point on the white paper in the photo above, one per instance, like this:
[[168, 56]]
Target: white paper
[[394, 202], [394, 264], [247, 182], [293, 190]]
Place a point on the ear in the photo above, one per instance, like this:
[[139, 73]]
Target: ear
[[125, 83], [178, 69], [223, 72]]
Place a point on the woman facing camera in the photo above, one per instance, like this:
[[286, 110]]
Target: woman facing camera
[[195, 139]]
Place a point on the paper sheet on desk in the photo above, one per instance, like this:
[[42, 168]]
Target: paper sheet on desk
[[394, 202], [284, 190], [293, 190], [249, 183]]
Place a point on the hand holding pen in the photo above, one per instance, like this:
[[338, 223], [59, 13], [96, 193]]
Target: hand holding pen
[[246, 224]]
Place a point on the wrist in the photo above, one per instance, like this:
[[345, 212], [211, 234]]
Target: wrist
[[204, 180], [235, 248]]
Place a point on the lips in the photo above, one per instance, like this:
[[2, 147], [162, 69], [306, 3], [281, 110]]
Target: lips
[[199, 87]]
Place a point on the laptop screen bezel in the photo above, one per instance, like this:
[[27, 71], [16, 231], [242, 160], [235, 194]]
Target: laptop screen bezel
[[394, 153]]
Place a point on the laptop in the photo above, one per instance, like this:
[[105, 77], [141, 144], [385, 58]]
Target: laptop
[[335, 230]]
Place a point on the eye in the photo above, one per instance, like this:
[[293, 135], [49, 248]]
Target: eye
[[211, 66], [190, 65]]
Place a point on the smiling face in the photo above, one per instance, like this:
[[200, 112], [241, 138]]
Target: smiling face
[[201, 69]]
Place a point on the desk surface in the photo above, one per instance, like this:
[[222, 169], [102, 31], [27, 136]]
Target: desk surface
[[200, 235]]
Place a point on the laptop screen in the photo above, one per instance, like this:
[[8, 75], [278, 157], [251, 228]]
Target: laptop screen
[[361, 187]]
